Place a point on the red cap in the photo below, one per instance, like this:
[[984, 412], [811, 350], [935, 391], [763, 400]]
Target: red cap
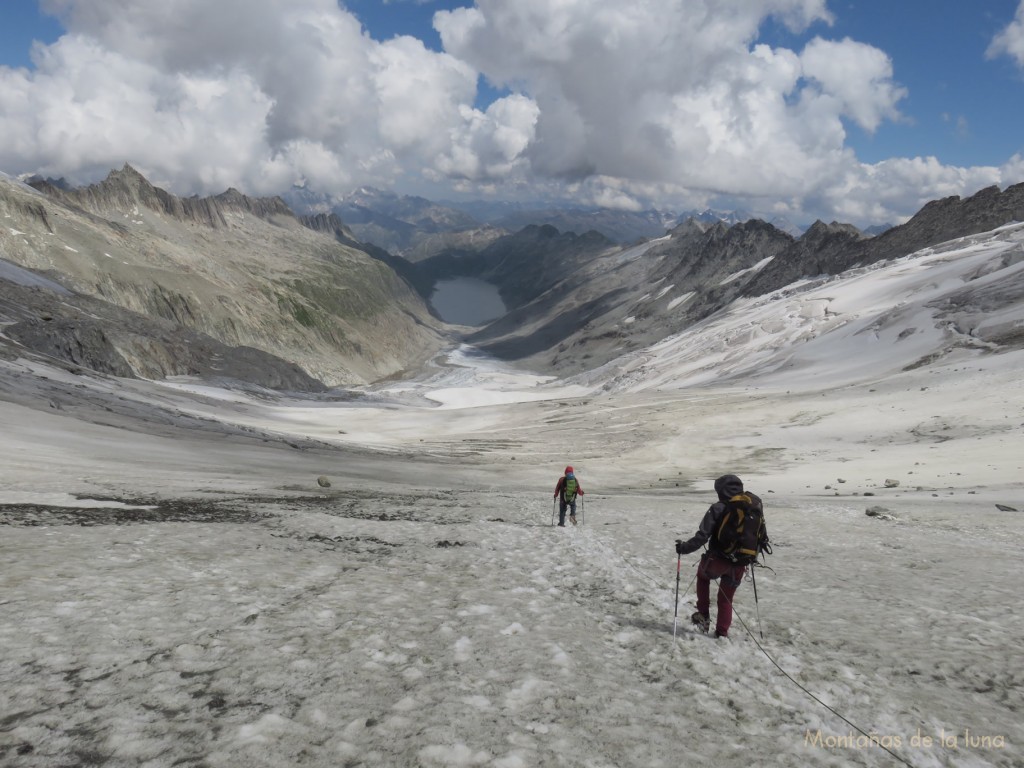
[[568, 470]]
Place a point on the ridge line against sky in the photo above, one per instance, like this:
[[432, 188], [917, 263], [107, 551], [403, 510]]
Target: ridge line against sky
[[804, 109]]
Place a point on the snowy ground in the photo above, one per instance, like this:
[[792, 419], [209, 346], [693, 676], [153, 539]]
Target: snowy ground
[[177, 590]]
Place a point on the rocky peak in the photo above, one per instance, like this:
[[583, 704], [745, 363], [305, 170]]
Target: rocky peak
[[688, 228], [828, 249], [127, 177], [125, 189], [753, 234], [121, 189], [716, 231], [263, 207], [820, 232], [948, 219], [331, 224], [698, 260]]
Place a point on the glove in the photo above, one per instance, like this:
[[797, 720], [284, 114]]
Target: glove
[[680, 549], [555, 496]]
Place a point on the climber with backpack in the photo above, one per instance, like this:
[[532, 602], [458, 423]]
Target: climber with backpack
[[733, 529], [566, 491]]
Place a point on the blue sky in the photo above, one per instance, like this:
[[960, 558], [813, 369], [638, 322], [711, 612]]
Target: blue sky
[[960, 106], [855, 110]]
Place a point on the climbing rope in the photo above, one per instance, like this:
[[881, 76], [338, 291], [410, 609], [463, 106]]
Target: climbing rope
[[767, 655]]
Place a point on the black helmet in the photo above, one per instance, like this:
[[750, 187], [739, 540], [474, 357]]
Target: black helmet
[[728, 486]]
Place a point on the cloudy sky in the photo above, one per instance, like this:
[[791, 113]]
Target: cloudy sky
[[856, 110]]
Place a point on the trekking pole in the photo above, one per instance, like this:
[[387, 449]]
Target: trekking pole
[[553, 503], [583, 510], [757, 606], [675, 619]]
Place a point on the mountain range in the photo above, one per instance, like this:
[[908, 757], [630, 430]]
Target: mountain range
[[417, 228], [154, 285]]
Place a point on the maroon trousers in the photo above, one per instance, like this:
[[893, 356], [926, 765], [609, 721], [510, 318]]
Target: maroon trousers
[[731, 575]]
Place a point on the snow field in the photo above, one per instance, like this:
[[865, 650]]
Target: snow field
[[460, 638], [422, 611]]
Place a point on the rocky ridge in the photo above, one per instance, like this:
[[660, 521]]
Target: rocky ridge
[[248, 273], [84, 334], [634, 297], [937, 222], [243, 271]]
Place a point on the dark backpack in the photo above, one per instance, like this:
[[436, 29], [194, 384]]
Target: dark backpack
[[741, 533]]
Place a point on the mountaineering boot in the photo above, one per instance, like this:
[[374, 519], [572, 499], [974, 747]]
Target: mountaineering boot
[[701, 621], [572, 519]]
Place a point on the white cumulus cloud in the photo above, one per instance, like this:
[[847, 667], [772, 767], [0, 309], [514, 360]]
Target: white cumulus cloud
[[257, 94], [670, 103], [1010, 41]]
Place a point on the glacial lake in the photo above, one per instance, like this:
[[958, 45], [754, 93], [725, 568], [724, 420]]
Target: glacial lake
[[467, 301]]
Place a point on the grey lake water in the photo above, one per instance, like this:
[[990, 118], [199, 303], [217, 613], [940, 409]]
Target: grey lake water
[[467, 301]]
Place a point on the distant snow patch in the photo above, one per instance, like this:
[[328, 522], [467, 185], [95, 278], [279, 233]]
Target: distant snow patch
[[679, 300], [756, 268]]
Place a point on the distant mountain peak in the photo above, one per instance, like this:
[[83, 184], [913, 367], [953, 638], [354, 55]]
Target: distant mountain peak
[[691, 226], [820, 228], [127, 172], [126, 188]]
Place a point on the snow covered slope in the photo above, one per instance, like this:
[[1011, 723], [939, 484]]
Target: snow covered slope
[[964, 296], [179, 589]]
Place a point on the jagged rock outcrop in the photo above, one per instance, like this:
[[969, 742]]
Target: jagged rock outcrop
[[330, 224], [819, 251], [127, 188], [948, 219], [81, 332], [937, 222], [702, 259]]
